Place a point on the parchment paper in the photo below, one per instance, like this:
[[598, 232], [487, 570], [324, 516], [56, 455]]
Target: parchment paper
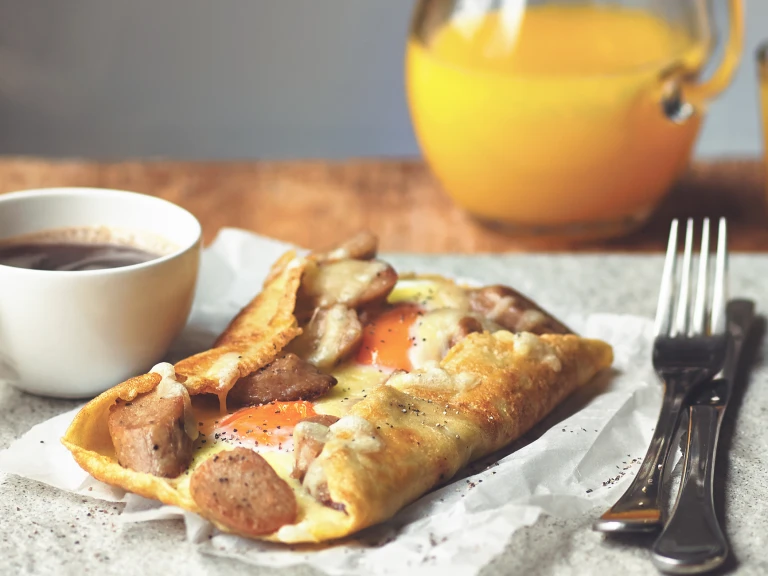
[[581, 457]]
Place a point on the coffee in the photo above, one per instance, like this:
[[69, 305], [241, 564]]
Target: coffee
[[80, 249]]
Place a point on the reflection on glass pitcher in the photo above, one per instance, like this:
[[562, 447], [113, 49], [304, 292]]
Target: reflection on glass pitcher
[[563, 117]]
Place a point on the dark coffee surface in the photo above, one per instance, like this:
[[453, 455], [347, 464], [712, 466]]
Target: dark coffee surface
[[72, 256]]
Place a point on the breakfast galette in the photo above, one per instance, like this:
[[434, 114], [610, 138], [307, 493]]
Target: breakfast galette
[[341, 393]]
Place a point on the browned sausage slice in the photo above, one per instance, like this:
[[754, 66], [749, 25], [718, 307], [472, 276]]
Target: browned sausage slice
[[362, 246], [331, 335], [308, 441], [285, 379], [240, 490], [148, 435], [513, 311], [353, 283], [466, 326]]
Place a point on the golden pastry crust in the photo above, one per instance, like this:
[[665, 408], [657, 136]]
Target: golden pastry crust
[[408, 435], [488, 391], [252, 340], [87, 438]]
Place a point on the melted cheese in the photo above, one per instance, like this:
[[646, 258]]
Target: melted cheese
[[313, 430], [533, 348], [169, 387], [432, 334], [282, 462], [434, 377], [356, 433], [341, 281], [432, 293], [226, 369], [354, 383]]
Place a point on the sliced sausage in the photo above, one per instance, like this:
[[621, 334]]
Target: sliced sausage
[[465, 327], [309, 437], [362, 246], [148, 435], [285, 379], [240, 490], [322, 419], [316, 483], [353, 283], [513, 311], [332, 334], [322, 494]]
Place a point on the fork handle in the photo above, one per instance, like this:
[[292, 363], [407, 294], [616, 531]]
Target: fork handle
[[692, 541], [639, 508]]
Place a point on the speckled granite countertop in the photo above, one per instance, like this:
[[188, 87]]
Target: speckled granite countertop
[[74, 535]]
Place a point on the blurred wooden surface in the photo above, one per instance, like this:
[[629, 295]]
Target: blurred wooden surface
[[314, 204]]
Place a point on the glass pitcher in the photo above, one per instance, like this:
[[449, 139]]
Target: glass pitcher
[[563, 118]]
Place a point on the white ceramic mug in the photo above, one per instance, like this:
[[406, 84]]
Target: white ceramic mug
[[75, 334]]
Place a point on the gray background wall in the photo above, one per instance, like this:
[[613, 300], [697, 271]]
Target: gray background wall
[[242, 79]]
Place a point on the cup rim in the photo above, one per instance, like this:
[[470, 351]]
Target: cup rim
[[93, 191]]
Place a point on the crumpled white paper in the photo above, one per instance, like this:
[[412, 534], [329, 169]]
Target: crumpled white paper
[[582, 456]]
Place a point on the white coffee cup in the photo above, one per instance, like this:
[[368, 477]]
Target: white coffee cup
[[76, 334]]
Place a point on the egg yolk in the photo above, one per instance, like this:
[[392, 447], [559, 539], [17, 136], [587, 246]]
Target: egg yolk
[[387, 339], [268, 426]]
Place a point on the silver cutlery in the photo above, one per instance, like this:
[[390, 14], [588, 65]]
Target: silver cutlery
[[692, 540], [689, 349]]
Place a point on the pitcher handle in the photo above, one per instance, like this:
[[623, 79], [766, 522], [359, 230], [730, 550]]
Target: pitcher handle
[[681, 98]]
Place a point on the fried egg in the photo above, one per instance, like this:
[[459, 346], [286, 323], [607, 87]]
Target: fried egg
[[413, 332]]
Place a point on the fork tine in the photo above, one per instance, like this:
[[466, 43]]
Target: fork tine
[[664, 307], [683, 317], [699, 326], [720, 290]]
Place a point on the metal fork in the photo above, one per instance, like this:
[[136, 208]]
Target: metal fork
[[690, 348], [692, 541]]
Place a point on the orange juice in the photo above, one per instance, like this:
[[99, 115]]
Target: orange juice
[[553, 117]]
